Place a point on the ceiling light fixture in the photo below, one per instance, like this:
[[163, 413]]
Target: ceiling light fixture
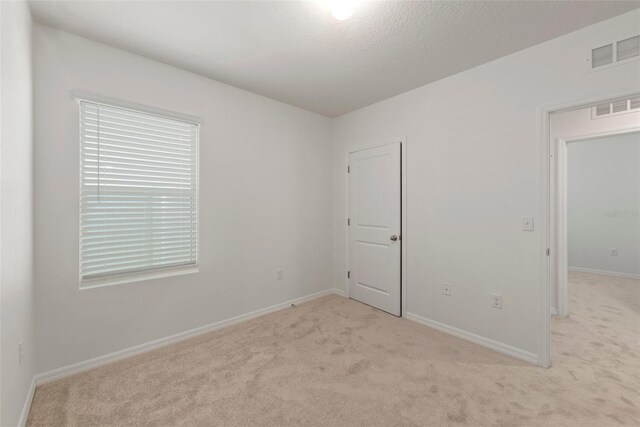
[[342, 9]]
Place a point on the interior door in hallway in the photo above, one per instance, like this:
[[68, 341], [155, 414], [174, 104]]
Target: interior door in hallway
[[374, 227]]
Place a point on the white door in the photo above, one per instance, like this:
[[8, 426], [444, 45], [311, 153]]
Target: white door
[[374, 227]]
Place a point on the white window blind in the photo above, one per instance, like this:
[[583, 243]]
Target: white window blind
[[138, 192]]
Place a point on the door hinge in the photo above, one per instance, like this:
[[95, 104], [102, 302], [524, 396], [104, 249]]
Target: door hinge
[[348, 169], [348, 221], [348, 275], [548, 251]]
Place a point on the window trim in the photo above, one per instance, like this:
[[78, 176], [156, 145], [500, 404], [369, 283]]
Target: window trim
[[79, 95], [139, 276], [151, 273]]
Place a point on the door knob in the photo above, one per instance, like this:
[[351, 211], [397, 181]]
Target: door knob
[[393, 238]]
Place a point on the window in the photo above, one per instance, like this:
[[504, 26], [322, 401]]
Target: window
[[138, 202]]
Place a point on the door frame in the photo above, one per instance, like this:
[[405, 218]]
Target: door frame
[[547, 220], [403, 213], [561, 210]]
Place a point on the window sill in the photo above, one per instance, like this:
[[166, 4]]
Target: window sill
[[137, 277]]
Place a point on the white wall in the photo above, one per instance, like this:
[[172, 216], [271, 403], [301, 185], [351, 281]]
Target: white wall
[[265, 203], [16, 191], [603, 204], [473, 171], [576, 124]]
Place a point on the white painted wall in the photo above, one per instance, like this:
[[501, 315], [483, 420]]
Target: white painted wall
[[16, 206], [576, 124], [473, 171], [603, 204], [265, 203]]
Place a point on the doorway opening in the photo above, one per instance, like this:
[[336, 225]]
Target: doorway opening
[[594, 225]]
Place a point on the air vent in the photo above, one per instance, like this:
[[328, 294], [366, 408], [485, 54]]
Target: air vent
[[619, 106], [614, 53], [628, 48], [601, 56]]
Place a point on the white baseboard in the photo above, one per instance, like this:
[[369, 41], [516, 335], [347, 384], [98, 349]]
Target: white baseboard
[[339, 292], [65, 371], [27, 404], [477, 339], [607, 273]]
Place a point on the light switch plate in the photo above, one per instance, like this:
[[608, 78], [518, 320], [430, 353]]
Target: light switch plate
[[496, 300], [527, 223]]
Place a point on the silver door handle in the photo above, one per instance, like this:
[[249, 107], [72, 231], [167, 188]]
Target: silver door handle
[[393, 238]]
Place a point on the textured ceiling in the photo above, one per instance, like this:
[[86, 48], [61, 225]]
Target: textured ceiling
[[296, 52]]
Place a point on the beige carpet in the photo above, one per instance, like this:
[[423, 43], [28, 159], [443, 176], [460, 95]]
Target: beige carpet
[[336, 362]]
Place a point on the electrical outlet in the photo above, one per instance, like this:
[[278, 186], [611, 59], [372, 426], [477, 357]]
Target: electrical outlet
[[614, 251], [20, 351], [497, 300], [446, 289], [279, 274]]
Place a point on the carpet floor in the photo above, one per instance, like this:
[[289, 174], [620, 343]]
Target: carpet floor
[[336, 362]]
